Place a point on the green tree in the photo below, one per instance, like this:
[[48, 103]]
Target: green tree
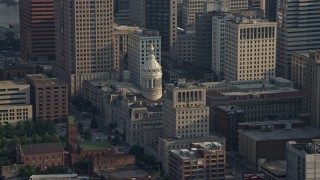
[[27, 171], [87, 135], [94, 123], [36, 138], [82, 164]]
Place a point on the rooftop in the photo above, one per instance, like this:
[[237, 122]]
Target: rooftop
[[115, 86], [93, 145], [57, 176], [305, 53], [47, 80], [195, 151], [42, 148], [182, 83], [5, 84], [263, 123], [71, 120], [14, 63], [277, 167], [308, 148], [127, 173], [282, 134], [231, 109]]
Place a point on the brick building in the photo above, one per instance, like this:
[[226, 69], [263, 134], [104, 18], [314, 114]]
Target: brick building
[[114, 161], [49, 97], [14, 68], [41, 156], [203, 161]]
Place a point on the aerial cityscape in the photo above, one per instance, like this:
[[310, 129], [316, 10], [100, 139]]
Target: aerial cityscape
[[160, 89]]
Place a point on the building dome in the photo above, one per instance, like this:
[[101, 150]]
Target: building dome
[[151, 76]]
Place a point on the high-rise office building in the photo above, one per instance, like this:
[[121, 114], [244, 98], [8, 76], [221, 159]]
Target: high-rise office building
[[84, 39], [298, 29], [234, 5], [137, 15], [138, 51], [303, 160], [190, 9], [121, 11], [37, 31], [185, 112], [270, 9], [162, 16], [49, 97], [203, 28], [218, 44], [310, 88], [250, 49]]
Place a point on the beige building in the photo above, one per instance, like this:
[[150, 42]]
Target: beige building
[[250, 49], [84, 42], [170, 143], [235, 5], [49, 97], [14, 102], [204, 160], [190, 9], [149, 136], [138, 52], [185, 112]]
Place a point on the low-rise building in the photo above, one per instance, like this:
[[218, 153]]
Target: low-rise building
[[113, 161], [41, 156], [303, 160], [275, 170], [260, 100], [170, 143], [14, 102], [57, 177], [14, 68], [127, 173], [49, 97], [202, 161], [270, 143], [149, 136]]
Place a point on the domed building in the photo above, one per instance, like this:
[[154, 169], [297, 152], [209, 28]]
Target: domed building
[[151, 76]]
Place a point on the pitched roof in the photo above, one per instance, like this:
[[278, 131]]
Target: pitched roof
[[41, 148]]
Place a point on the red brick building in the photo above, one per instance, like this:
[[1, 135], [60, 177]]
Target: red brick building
[[41, 156], [113, 161]]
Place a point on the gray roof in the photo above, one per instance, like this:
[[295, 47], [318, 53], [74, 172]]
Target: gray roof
[[41, 148]]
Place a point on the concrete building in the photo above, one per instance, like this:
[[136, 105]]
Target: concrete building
[[226, 120], [138, 46], [49, 97], [292, 38], [310, 90], [250, 49], [37, 28], [112, 162], [185, 112], [269, 8], [84, 42], [14, 68], [270, 141], [127, 173], [276, 170], [235, 5], [260, 99], [303, 161], [185, 50], [149, 136], [202, 161], [121, 11], [41, 156], [120, 47], [298, 68], [190, 9], [14, 102], [218, 43], [172, 143]]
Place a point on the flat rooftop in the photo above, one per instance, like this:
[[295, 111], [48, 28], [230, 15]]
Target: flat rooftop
[[282, 134], [182, 83], [212, 137], [6, 84], [262, 123], [46, 79], [14, 63], [270, 91], [115, 86], [230, 108], [277, 167], [127, 173], [94, 145]]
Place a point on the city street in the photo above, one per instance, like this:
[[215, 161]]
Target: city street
[[238, 165]]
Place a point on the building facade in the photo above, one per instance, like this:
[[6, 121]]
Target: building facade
[[49, 97], [185, 50], [202, 161], [190, 9], [15, 103], [121, 11], [303, 160], [37, 28], [138, 45], [250, 49], [295, 38], [41, 156], [185, 112], [14, 68], [84, 42]]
